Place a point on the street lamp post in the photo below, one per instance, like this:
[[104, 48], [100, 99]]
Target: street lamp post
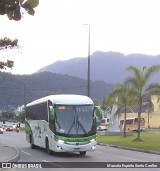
[[88, 60], [88, 67], [88, 72], [24, 93]]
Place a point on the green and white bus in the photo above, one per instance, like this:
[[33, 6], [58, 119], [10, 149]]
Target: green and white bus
[[62, 123]]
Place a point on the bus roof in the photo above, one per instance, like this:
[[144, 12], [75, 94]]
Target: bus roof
[[68, 99]]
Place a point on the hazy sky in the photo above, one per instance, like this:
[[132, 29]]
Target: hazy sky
[[57, 31]]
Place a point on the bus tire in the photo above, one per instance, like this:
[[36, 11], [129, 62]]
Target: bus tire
[[47, 147], [82, 153], [32, 142]]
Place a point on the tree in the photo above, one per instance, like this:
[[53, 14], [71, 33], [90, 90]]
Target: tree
[[139, 81], [125, 97], [7, 43], [13, 8], [95, 101]]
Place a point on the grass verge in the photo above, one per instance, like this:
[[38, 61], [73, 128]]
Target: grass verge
[[149, 141]]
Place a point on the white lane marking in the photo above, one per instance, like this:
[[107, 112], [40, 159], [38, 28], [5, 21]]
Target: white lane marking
[[45, 161], [98, 152], [100, 157], [26, 153]]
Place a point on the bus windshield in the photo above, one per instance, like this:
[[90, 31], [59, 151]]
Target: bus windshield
[[74, 120]]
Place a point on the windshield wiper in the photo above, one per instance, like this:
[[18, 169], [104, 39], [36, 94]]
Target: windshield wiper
[[74, 122], [83, 129], [77, 124]]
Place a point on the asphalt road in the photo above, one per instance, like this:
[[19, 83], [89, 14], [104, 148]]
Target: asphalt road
[[102, 154]]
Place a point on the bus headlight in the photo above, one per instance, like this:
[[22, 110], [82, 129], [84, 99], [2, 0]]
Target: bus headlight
[[93, 147], [60, 141], [92, 140]]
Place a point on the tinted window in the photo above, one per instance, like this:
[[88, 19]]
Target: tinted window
[[141, 120], [103, 121], [37, 112], [121, 122], [130, 121]]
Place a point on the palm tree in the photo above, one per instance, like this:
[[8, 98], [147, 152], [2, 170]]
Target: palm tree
[[125, 97], [149, 107], [139, 82]]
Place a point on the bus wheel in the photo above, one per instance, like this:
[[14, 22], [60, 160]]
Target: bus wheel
[[31, 142], [47, 147], [82, 153]]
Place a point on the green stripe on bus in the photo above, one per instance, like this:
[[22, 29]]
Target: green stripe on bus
[[71, 139]]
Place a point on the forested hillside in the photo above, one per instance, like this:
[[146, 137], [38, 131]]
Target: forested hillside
[[16, 90]]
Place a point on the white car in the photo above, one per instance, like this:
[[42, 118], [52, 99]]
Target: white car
[[103, 124], [1, 130]]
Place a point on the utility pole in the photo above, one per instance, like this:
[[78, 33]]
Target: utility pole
[[88, 60], [24, 95], [88, 69]]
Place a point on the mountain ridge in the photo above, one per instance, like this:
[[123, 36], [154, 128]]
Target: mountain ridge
[[106, 66]]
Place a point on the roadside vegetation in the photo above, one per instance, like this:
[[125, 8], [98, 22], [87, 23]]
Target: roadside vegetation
[[149, 141], [134, 91]]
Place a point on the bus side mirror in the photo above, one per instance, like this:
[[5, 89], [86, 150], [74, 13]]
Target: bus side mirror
[[99, 113], [52, 113]]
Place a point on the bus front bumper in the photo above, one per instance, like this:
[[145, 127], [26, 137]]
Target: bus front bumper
[[74, 147]]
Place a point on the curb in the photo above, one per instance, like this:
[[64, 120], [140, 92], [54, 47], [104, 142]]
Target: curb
[[13, 159], [129, 148]]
